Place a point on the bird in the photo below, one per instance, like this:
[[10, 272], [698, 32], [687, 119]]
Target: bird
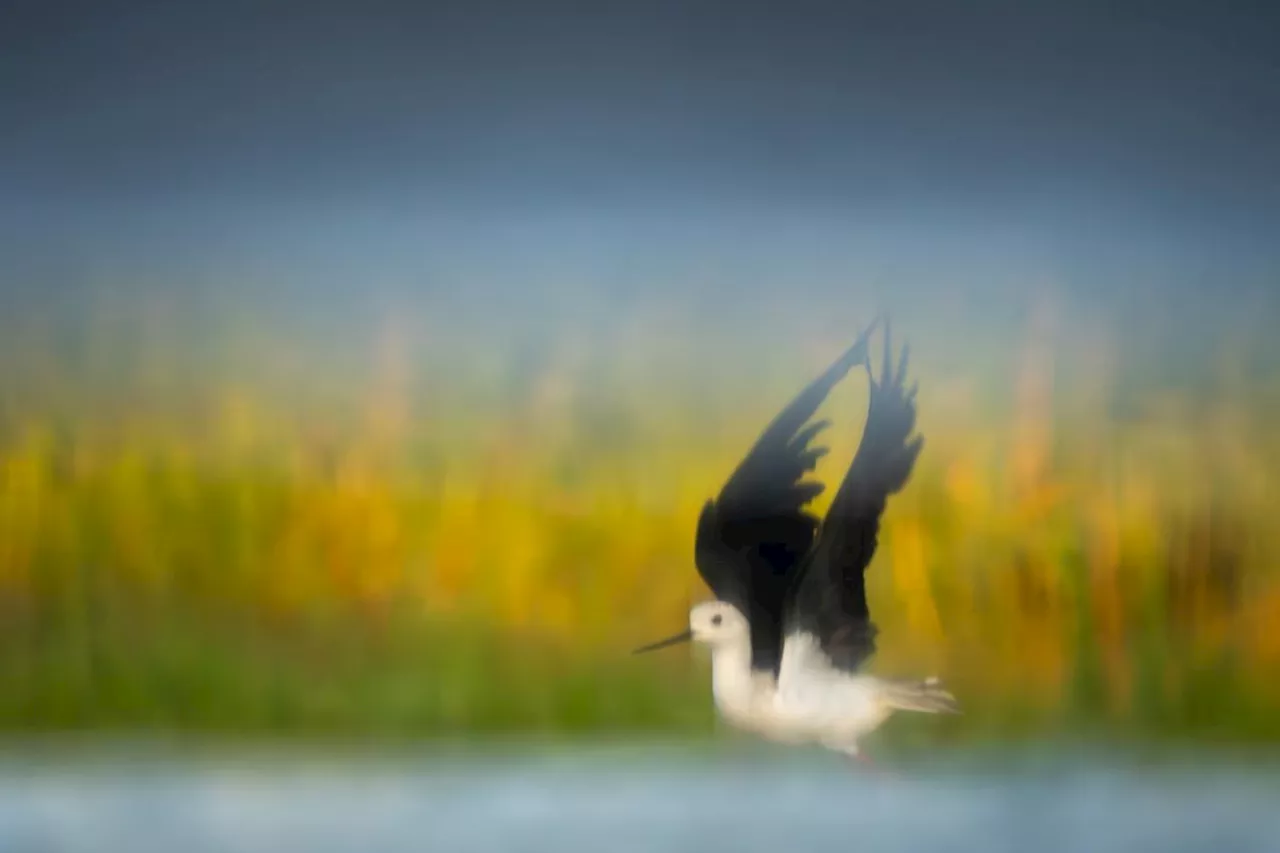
[[789, 628]]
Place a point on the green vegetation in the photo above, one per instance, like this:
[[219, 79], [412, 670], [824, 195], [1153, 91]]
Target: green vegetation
[[264, 539]]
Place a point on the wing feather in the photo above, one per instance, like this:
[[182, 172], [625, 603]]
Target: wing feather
[[751, 537], [828, 597]]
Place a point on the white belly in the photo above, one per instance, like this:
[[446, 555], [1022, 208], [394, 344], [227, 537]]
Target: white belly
[[829, 708], [820, 710], [807, 703]]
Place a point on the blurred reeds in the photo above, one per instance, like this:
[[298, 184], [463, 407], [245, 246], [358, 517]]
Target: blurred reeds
[[454, 542]]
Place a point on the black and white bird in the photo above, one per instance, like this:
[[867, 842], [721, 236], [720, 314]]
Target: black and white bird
[[789, 629]]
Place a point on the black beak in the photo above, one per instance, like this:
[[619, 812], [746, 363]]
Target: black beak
[[683, 637]]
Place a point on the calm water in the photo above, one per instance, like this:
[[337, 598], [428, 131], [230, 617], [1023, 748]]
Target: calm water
[[620, 800]]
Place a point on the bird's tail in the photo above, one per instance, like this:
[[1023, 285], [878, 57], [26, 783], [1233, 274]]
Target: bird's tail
[[927, 696]]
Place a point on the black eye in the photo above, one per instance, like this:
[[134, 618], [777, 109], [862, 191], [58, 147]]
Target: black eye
[[715, 620]]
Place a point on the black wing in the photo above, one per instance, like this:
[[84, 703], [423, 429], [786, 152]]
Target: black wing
[[752, 536], [829, 596]]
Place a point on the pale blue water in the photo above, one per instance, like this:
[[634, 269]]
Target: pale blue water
[[622, 800]]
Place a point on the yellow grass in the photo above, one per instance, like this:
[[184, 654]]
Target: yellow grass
[[1039, 537]]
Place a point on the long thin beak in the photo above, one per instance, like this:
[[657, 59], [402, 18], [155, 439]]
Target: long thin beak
[[683, 637]]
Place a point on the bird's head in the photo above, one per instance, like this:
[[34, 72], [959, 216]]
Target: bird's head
[[717, 622], [714, 623]]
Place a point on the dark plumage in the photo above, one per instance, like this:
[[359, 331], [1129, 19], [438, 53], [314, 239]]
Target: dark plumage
[[758, 548]]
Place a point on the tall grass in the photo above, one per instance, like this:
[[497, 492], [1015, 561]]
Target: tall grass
[[454, 542]]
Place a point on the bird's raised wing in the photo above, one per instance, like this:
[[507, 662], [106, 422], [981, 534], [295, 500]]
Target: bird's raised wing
[[828, 597], [756, 531]]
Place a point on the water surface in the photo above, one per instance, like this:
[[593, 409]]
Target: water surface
[[632, 799]]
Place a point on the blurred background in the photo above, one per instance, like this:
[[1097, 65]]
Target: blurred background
[[365, 367]]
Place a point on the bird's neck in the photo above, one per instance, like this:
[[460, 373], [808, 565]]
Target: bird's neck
[[731, 679]]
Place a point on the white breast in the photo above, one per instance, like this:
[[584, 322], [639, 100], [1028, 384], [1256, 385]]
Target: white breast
[[810, 700], [824, 702]]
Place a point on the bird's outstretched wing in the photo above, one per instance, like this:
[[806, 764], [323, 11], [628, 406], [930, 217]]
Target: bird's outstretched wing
[[828, 597], [756, 531]]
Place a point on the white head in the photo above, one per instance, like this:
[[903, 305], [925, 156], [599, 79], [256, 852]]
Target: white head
[[714, 623]]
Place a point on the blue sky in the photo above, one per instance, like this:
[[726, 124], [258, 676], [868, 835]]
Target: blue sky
[[519, 152]]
